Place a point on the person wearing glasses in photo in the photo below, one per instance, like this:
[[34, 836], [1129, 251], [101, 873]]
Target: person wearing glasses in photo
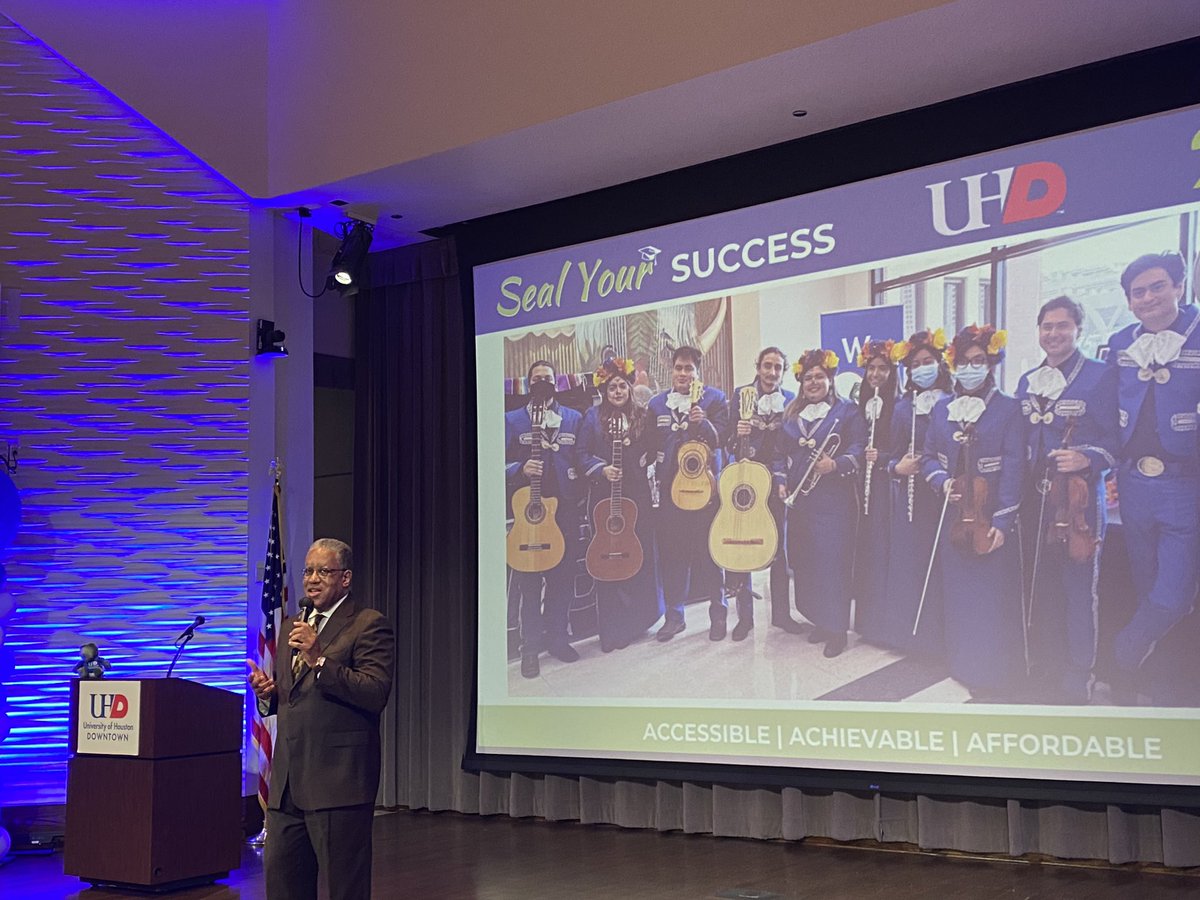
[[1158, 475], [974, 459], [333, 677]]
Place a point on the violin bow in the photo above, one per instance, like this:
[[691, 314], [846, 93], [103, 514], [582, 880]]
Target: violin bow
[[929, 571]]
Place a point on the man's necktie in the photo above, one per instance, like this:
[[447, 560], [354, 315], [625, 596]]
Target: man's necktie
[[297, 660]]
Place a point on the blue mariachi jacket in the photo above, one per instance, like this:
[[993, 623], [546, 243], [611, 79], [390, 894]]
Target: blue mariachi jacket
[[1175, 400], [560, 469], [595, 452], [765, 438], [1090, 398], [852, 429], [670, 432], [894, 447], [999, 453]]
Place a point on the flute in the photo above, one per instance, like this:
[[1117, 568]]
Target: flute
[[912, 451], [873, 410]]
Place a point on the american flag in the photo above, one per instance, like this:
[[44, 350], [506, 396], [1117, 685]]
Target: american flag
[[273, 599]]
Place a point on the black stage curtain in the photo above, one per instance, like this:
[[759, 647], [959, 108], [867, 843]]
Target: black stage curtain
[[416, 535], [415, 511]]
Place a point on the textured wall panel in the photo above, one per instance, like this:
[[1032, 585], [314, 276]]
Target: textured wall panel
[[125, 376]]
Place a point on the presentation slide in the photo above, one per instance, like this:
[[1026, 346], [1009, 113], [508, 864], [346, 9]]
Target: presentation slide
[[901, 476]]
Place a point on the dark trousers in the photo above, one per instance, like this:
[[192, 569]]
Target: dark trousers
[[820, 547], [301, 843], [545, 614], [686, 569], [1064, 606]]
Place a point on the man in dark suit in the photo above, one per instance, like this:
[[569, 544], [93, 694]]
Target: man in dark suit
[[334, 674]]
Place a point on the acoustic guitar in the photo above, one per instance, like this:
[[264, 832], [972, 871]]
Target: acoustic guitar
[[693, 486], [743, 536], [535, 542], [615, 553]]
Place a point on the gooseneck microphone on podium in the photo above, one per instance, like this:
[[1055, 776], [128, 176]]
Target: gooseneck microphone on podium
[[189, 632], [182, 641]]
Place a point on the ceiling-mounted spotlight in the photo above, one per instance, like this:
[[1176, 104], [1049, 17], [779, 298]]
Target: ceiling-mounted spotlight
[[268, 341], [348, 270]]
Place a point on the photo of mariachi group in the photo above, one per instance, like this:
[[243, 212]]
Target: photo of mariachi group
[[1001, 496]]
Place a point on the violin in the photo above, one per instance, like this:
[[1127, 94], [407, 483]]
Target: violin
[[1069, 499], [970, 527]]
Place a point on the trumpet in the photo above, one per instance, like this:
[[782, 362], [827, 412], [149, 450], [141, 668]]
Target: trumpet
[[828, 447]]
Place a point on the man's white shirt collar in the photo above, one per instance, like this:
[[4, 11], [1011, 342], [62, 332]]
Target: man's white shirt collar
[[328, 613]]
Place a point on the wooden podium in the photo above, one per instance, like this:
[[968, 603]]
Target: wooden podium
[[155, 783]]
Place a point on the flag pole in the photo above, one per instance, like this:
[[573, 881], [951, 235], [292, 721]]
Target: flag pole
[[274, 598]]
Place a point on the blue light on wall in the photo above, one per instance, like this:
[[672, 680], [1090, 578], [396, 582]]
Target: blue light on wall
[[127, 379]]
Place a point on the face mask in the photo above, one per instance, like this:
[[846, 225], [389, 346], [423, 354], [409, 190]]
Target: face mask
[[542, 392], [971, 377], [924, 376]]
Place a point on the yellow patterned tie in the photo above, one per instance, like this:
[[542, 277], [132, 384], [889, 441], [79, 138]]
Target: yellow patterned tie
[[297, 660]]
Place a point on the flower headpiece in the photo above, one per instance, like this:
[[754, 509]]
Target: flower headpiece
[[871, 349], [988, 338], [810, 359], [933, 341], [613, 367]]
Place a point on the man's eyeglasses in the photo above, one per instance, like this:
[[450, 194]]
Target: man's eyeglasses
[[322, 572]]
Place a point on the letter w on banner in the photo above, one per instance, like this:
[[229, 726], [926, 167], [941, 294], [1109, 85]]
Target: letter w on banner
[[274, 596], [845, 331]]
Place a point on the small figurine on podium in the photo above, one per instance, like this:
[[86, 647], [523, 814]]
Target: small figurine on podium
[[91, 665]]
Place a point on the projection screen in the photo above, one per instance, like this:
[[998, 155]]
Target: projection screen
[[1041, 659]]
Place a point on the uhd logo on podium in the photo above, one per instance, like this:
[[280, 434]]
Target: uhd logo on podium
[[109, 717], [109, 706], [1020, 193]]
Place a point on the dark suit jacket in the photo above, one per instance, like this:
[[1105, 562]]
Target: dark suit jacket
[[327, 736]]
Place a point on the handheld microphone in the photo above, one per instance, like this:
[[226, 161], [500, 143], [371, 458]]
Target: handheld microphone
[[306, 609]]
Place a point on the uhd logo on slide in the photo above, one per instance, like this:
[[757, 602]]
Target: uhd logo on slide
[[1028, 191], [109, 706]]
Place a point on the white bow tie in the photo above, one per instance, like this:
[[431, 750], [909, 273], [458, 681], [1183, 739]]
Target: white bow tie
[[1047, 382], [679, 402], [966, 409], [1159, 349], [815, 412], [925, 401], [770, 404]]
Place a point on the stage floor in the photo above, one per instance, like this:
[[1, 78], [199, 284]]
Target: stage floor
[[447, 856]]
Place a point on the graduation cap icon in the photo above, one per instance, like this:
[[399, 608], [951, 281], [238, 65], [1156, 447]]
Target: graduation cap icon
[[648, 253]]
